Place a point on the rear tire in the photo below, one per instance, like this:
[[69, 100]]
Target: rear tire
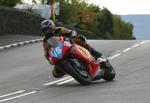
[[71, 69], [109, 73]]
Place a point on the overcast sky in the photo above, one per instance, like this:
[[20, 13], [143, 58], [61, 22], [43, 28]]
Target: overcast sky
[[125, 6]]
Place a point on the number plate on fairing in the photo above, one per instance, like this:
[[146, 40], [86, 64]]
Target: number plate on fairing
[[57, 51]]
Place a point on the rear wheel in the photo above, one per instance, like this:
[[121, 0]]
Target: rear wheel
[[109, 72], [77, 69]]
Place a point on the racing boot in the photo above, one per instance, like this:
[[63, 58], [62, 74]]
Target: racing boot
[[94, 53], [99, 58], [57, 72]]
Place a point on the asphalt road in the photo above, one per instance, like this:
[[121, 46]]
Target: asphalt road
[[25, 76]]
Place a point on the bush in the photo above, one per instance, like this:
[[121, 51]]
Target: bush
[[9, 3]]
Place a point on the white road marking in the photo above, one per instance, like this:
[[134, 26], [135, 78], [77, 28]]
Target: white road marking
[[1, 48], [21, 43], [136, 45], [125, 50], [143, 42], [17, 92], [22, 95], [14, 44], [71, 79], [57, 81], [27, 42], [114, 56], [7, 46], [33, 41], [39, 39]]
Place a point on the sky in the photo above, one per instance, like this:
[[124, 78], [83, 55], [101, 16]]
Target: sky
[[123, 7]]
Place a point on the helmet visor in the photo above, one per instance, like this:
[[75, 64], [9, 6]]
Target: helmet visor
[[47, 31]]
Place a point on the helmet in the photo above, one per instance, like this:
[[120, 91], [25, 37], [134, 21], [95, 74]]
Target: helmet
[[47, 27]]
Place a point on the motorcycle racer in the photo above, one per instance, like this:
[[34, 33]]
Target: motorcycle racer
[[49, 30]]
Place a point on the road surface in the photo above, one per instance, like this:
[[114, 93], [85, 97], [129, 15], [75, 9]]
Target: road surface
[[25, 76]]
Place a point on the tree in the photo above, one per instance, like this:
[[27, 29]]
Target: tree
[[121, 29], [71, 10], [9, 3], [105, 23]]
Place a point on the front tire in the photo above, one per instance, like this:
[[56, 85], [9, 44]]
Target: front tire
[[109, 73], [72, 69]]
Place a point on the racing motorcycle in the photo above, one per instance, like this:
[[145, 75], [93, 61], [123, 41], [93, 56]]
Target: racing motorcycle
[[78, 62]]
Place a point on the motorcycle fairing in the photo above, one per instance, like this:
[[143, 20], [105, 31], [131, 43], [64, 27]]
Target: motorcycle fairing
[[84, 54], [57, 52], [81, 53], [94, 69]]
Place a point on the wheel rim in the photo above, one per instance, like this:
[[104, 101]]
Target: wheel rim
[[81, 69]]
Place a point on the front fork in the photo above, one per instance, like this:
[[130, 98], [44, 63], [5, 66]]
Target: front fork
[[104, 64]]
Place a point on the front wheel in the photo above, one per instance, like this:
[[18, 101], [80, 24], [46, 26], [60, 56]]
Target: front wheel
[[76, 72], [109, 72]]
